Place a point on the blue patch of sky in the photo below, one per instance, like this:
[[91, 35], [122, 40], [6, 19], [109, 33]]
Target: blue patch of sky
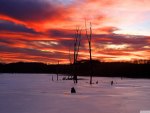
[[66, 2], [142, 28]]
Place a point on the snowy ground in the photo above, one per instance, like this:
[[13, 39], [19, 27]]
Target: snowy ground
[[36, 93]]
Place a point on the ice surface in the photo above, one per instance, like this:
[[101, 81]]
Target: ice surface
[[37, 93]]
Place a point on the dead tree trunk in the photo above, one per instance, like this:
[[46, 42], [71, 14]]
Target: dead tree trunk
[[77, 41], [89, 37]]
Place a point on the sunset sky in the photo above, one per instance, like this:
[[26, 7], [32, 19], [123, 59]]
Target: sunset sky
[[43, 30]]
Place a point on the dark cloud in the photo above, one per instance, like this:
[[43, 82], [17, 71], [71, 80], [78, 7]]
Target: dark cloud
[[130, 39], [17, 50], [113, 38], [30, 52], [12, 27], [121, 39], [67, 43], [136, 41], [5, 41], [29, 10], [64, 33]]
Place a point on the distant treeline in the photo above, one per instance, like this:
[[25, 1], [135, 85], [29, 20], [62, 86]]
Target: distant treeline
[[109, 69]]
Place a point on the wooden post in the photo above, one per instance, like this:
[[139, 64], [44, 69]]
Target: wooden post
[[57, 70]]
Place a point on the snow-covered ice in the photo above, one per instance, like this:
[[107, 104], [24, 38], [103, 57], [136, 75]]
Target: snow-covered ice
[[37, 93]]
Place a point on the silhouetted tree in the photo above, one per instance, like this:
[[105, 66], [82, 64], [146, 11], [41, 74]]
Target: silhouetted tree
[[77, 41], [89, 37]]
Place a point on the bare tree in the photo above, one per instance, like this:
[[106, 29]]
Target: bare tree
[[77, 41], [89, 37]]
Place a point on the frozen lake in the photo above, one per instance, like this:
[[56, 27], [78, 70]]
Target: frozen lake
[[36, 93]]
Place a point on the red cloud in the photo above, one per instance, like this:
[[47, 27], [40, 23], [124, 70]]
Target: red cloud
[[108, 29]]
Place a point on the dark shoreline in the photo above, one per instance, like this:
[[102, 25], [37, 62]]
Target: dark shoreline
[[100, 69]]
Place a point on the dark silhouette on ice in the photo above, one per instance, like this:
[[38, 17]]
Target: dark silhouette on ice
[[73, 90], [52, 78], [112, 82], [97, 82]]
